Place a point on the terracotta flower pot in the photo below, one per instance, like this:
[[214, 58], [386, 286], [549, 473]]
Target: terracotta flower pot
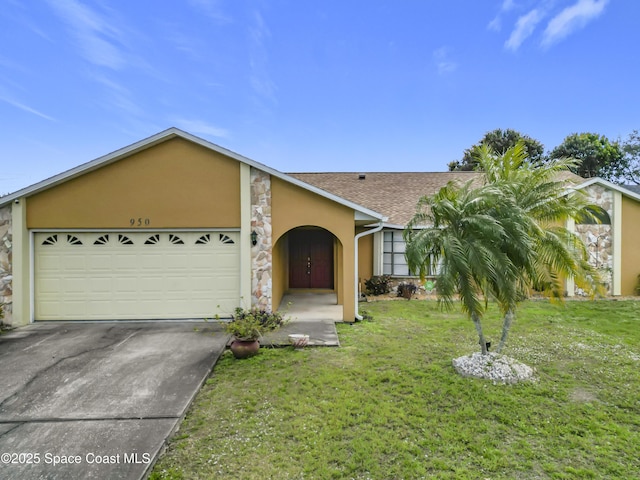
[[244, 348]]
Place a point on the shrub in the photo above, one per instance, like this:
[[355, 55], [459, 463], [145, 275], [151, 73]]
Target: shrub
[[378, 284], [246, 328], [407, 290], [265, 319]]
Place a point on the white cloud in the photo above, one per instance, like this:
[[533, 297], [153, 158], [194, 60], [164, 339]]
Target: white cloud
[[571, 19], [119, 97], [25, 108], [96, 34], [443, 63], [212, 9], [198, 126], [260, 79], [525, 26], [496, 23]]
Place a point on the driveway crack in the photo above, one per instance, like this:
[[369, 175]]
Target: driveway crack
[[18, 425], [38, 374]]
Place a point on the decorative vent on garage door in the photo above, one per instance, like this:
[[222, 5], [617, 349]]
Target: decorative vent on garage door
[[102, 240], [52, 240], [204, 239], [73, 240], [152, 240], [176, 240], [226, 239], [124, 240]]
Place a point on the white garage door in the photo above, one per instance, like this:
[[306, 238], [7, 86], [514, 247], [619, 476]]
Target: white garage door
[[135, 275]]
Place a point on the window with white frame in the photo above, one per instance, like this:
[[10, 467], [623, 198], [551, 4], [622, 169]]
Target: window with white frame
[[393, 249]]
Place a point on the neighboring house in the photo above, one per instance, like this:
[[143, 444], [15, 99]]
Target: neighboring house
[[176, 227]]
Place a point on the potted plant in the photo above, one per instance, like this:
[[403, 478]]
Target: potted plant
[[247, 327]]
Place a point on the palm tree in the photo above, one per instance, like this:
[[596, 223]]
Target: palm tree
[[501, 239], [544, 203], [453, 232]]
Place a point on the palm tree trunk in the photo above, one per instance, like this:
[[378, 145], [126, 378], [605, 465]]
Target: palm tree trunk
[[506, 326], [478, 325]]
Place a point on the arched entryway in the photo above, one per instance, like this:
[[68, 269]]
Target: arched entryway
[[311, 253], [308, 268]]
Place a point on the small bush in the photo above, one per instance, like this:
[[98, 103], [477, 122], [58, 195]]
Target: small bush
[[267, 320], [378, 284], [407, 290]]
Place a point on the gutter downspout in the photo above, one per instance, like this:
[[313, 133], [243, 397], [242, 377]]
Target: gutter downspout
[[358, 236]]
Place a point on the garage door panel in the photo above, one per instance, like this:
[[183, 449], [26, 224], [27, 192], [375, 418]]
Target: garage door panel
[[126, 262], [74, 285], [152, 284], [106, 275], [49, 262], [176, 261], [127, 288], [76, 309], [100, 261], [97, 284], [153, 261]]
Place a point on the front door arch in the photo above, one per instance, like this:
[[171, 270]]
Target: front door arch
[[311, 259]]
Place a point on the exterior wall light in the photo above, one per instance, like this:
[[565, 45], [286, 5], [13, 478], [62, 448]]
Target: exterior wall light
[[254, 238]]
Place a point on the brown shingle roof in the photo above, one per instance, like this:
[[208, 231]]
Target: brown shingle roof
[[394, 194]]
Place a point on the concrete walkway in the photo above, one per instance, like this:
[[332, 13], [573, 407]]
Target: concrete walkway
[[97, 400], [313, 314]]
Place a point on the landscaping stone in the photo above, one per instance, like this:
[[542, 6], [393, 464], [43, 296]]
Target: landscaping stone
[[493, 366]]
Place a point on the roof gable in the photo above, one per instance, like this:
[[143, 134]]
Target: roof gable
[[612, 186], [168, 134]]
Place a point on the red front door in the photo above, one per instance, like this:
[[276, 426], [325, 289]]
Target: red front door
[[310, 259]]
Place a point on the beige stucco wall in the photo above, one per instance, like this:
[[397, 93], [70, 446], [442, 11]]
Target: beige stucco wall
[[175, 184], [365, 258], [279, 269], [630, 245], [293, 207]]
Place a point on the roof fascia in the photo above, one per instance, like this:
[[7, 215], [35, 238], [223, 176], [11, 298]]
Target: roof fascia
[[607, 184], [163, 136]]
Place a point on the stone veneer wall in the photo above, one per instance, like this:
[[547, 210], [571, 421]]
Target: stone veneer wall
[[261, 254], [598, 238], [6, 270]]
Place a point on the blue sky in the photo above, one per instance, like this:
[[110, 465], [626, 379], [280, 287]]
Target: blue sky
[[335, 85]]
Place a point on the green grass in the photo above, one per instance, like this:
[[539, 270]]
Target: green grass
[[388, 404]]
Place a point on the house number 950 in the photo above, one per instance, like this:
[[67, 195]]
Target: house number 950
[[139, 222]]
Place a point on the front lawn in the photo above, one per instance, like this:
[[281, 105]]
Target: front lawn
[[388, 404]]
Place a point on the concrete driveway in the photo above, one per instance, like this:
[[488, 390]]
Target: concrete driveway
[[97, 400]]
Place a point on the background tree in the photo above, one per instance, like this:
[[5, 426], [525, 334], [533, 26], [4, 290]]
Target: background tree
[[631, 151], [499, 141], [596, 156]]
